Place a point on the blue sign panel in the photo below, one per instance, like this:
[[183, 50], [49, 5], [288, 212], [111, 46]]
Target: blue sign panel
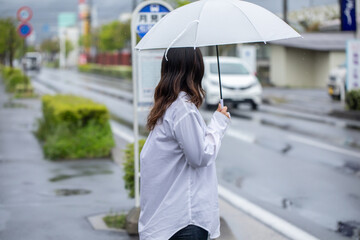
[[348, 15], [24, 29], [149, 16]]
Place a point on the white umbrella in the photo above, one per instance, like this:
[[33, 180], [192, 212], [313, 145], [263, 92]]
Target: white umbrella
[[213, 23]]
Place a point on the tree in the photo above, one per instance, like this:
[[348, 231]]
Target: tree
[[51, 47], [10, 41], [114, 36], [68, 47]]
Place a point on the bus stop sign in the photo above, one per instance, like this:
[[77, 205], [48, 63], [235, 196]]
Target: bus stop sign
[[148, 16]]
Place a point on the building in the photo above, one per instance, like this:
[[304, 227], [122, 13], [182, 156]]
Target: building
[[307, 61]]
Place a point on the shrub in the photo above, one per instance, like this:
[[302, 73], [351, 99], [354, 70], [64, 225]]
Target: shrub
[[115, 221], [8, 71], [352, 99], [73, 111], [129, 167], [74, 127], [90, 141], [113, 71], [12, 77], [24, 91]]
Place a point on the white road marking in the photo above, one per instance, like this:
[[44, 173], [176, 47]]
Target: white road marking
[[42, 88], [241, 135], [324, 146], [122, 131], [264, 216]]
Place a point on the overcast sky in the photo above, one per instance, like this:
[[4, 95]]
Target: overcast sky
[[44, 20]]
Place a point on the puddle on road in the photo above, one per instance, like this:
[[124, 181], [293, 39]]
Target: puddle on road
[[60, 177], [352, 168], [70, 192], [351, 143], [275, 124], [352, 127], [286, 203], [230, 175], [281, 147], [349, 229]]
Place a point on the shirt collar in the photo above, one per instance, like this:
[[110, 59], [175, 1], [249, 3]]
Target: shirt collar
[[183, 94]]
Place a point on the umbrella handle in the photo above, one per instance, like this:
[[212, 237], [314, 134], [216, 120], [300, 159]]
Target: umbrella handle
[[222, 102]]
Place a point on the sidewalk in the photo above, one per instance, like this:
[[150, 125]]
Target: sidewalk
[[314, 102], [41, 199], [33, 186]]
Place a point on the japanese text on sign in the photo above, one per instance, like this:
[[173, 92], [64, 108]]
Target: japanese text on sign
[[148, 17], [353, 64]]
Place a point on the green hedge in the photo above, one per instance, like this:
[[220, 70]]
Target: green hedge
[[74, 127], [129, 176], [352, 99], [13, 77], [113, 71], [24, 91], [73, 110]]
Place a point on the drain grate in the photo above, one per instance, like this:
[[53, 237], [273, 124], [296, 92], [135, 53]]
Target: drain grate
[[70, 192]]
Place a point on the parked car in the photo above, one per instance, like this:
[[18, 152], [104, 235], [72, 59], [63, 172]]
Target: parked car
[[239, 85], [32, 61], [337, 81]]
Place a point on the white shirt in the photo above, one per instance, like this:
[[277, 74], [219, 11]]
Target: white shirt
[[178, 175]]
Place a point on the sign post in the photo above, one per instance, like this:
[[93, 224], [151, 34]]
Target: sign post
[[145, 15], [24, 14]]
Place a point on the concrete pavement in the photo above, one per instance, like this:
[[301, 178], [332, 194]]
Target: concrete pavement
[[41, 199]]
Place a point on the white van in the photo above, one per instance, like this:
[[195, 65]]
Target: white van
[[336, 83], [31, 61], [239, 85]]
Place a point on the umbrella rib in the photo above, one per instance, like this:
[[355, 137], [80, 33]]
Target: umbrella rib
[[197, 28], [178, 36], [248, 20]]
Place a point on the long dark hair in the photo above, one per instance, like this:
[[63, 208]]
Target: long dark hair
[[183, 71]]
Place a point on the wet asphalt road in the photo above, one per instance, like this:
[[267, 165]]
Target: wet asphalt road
[[305, 170]]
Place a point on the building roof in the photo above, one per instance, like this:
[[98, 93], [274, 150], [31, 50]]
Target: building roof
[[318, 41]]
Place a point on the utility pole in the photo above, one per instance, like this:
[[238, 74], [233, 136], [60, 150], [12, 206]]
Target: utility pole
[[285, 10]]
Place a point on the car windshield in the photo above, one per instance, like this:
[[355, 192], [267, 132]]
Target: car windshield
[[229, 68]]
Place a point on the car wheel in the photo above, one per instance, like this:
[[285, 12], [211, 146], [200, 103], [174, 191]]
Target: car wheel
[[254, 106], [335, 97]]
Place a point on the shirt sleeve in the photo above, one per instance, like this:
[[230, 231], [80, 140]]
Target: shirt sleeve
[[200, 144]]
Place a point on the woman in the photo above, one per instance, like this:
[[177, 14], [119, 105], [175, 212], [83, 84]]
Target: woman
[[178, 191]]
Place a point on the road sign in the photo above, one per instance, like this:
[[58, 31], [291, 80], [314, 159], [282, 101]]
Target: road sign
[[24, 29], [66, 19], [24, 14], [353, 65], [348, 15], [148, 16]]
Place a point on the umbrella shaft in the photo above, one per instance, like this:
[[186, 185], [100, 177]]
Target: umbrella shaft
[[217, 55]]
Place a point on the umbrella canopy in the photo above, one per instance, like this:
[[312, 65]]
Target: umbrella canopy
[[213, 23], [216, 22]]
